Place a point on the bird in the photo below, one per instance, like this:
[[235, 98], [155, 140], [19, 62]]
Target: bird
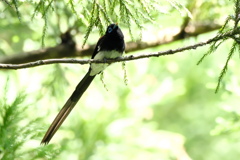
[[109, 46]]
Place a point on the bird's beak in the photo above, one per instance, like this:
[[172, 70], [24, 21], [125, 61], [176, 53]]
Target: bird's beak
[[116, 26]]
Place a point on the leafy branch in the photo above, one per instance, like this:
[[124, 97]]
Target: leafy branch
[[16, 131], [223, 33], [89, 14]]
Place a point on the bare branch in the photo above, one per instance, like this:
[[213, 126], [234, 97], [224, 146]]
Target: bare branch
[[68, 48], [126, 58]]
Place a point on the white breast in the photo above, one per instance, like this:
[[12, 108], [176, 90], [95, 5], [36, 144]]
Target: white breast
[[99, 67]]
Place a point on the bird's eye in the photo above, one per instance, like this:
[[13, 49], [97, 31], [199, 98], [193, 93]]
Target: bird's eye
[[110, 30]]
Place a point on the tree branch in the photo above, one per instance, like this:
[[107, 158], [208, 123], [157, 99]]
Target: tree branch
[[126, 58], [68, 48]]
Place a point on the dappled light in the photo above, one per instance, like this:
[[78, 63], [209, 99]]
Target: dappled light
[[173, 96]]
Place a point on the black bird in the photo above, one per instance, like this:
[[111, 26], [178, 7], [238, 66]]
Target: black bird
[[109, 46]]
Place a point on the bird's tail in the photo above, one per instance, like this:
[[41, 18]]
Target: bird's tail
[[67, 108]]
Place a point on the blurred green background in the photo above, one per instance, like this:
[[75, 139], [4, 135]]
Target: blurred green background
[[168, 110]]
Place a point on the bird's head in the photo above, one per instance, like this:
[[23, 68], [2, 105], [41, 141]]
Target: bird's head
[[112, 28]]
